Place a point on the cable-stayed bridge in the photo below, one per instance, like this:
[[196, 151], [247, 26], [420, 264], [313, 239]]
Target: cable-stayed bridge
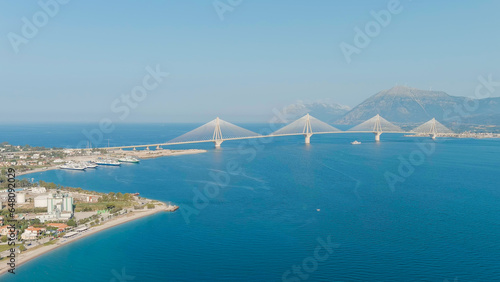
[[432, 128], [218, 131], [212, 132], [307, 126]]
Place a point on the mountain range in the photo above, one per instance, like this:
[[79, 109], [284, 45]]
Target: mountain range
[[325, 110], [408, 106]]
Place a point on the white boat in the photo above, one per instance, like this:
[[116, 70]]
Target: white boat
[[128, 160], [355, 142], [72, 166], [90, 165], [107, 162]]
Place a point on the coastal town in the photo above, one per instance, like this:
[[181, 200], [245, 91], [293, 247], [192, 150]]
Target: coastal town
[[467, 134], [48, 216], [26, 159]]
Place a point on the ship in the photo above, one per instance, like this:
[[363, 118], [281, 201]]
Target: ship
[[355, 142], [110, 162], [90, 165], [72, 166], [128, 160]]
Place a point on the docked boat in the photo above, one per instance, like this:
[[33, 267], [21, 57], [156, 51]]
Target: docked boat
[[90, 165], [72, 166], [110, 162], [355, 142], [128, 159]]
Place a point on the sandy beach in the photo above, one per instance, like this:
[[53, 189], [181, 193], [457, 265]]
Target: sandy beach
[[31, 254], [38, 170], [136, 214]]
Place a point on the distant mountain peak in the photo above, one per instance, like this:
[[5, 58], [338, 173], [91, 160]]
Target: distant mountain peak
[[398, 89], [407, 105], [325, 110], [406, 91]]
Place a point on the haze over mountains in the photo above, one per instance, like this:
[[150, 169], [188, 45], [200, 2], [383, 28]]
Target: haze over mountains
[[326, 111], [409, 106]]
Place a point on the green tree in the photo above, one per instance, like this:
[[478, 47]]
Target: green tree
[[3, 238], [71, 222]]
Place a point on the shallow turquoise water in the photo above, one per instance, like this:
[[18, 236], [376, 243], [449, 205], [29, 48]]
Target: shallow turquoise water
[[441, 223]]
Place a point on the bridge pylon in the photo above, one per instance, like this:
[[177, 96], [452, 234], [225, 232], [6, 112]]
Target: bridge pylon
[[308, 129], [432, 128], [377, 128], [433, 131], [217, 137]]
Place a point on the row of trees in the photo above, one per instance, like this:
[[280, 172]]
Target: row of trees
[[111, 196]]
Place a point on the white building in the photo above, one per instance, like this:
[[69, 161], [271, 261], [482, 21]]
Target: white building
[[59, 207], [32, 233], [61, 202], [92, 199], [54, 216], [20, 198], [41, 201], [38, 190]]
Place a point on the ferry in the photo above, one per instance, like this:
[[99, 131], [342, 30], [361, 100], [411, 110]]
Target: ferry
[[128, 160], [110, 162], [72, 166], [90, 165], [355, 142]]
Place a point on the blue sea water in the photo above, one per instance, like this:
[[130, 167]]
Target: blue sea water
[[441, 222]]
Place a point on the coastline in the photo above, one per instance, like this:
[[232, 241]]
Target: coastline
[[38, 170], [30, 255], [143, 154]]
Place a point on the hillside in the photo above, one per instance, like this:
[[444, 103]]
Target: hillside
[[406, 105], [324, 110]]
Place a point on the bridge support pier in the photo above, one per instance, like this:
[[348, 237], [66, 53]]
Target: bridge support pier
[[433, 136], [147, 148], [133, 149], [217, 143], [377, 136], [308, 138], [158, 147]]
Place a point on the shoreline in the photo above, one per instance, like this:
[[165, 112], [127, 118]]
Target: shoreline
[[143, 154], [37, 170], [27, 256]]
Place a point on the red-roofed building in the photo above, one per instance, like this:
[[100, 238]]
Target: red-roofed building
[[4, 230], [31, 233], [60, 226]]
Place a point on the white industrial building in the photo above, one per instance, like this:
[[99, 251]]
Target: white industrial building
[[20, 198], [59, 206], [61, 202], [41, 201], [38, 190]]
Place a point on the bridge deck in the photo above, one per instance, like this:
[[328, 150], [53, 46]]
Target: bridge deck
[[229, 139]]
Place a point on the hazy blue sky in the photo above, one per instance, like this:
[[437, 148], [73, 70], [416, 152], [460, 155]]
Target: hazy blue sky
[[262, 55]]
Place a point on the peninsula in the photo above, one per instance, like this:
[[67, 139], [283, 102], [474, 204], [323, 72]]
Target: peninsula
[[49, 216]]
